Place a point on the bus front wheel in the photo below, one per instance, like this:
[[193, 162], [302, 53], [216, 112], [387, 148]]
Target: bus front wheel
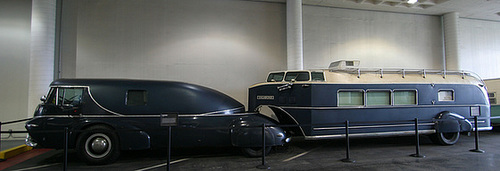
[[446, 138]]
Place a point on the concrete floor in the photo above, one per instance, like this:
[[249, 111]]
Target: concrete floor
[[390, 153]]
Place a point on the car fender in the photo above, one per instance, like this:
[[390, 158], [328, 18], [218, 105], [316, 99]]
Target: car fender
[[131, 137]]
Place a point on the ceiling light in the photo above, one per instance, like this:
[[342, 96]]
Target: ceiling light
[[412, 1]]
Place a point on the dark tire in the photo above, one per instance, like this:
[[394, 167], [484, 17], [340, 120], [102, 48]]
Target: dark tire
[[98, 145], [446, 138], [255, 151]]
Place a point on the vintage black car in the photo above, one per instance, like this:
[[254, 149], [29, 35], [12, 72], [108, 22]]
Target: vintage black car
[[105, 116]]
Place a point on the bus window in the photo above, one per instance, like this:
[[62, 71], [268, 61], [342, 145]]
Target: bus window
[[445, 95], [350, 98], [137, 98], [317, 76], [275, 77], [405, 97], [378, 98], [297, 76]]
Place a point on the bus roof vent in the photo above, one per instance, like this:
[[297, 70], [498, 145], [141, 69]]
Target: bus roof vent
[[343, 65]]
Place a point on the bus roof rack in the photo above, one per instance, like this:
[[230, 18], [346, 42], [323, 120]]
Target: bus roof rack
[[351, 66]]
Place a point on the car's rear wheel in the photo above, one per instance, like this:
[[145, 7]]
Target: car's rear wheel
[[98, 145], [255, 151]]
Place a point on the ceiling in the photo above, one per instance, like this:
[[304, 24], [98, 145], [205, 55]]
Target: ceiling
[[475, 9]]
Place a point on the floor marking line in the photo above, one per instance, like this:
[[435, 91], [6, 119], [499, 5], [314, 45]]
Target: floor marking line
[[37, 167], [300, 155], [163, 164]]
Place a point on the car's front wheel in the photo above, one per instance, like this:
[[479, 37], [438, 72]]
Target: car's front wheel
[[255, 151], [98, 145]]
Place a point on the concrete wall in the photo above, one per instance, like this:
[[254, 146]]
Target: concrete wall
[[377, 39], [480, 47], [223, 44], [15, 23]]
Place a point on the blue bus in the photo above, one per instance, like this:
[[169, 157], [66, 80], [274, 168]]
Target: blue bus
[[377, 102]]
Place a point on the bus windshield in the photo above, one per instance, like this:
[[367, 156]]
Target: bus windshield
[[276, 77], [297, 76]]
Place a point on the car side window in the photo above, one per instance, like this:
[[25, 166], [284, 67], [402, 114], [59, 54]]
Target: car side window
[[51, 98], [136, 98]]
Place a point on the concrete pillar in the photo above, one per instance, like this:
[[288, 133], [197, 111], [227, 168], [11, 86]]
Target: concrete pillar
[[43, 22], [451, 41], [295, 52]]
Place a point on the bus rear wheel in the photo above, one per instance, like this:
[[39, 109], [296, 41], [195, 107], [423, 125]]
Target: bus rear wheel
[[446, 138], [255, 151]]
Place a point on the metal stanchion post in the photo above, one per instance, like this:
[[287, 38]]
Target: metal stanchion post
[[347, 159], [476, 132], [169, 120], [263, 164], [66, 135], [169, 147], [417, 141], [0, 136]]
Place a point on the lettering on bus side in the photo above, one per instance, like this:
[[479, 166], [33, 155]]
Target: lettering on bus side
[[265, 97]]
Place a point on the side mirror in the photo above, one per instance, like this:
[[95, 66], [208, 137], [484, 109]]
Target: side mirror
[[43, 98]]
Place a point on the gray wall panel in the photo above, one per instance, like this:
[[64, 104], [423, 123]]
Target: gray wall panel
[[480, 47], [223, 44], [15, 23], [377, 39]]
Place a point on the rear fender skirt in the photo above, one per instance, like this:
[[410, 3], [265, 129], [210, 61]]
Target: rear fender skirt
[[134, 140], [448, 122], [247, 132], [284, 117]]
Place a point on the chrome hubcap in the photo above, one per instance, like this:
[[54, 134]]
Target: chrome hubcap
[[98, 145]]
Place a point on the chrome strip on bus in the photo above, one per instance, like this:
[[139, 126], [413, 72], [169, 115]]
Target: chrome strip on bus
[[374, 134], [365, 107], [370, 126]]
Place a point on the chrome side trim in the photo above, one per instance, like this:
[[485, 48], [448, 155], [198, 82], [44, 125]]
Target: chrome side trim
[[371, 126], [224, 112], [220, 112], [141, 116], [102, 107], [483, 128], [374, 134], [368, 107]]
